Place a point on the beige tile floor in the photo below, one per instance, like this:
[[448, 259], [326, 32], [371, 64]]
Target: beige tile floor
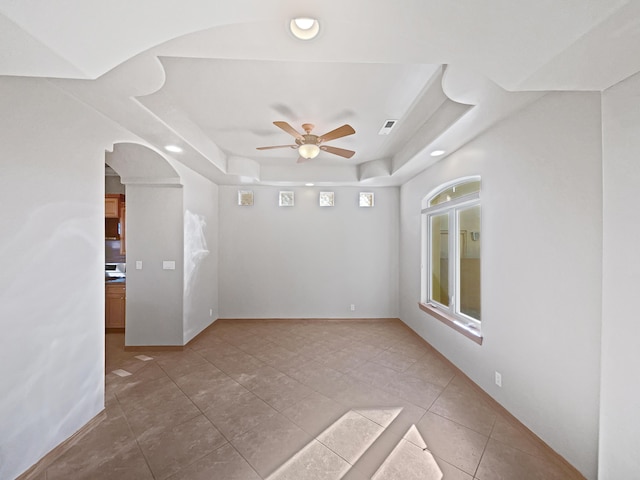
[[299, 399]]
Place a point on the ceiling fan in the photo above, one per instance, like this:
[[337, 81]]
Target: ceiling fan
[[309, 145]]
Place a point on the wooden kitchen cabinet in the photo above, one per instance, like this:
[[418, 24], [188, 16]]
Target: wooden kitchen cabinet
[[112, 205], [114, 218], [115, 305]]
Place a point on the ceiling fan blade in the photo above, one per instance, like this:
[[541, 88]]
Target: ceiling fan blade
[[288, 128], [277, 146], [302, 160], [339, 132], [338, 151]]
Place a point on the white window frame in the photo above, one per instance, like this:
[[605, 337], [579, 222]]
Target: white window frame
[[451, 314]]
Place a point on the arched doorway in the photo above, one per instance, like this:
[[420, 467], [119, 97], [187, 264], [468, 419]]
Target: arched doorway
[[143, 180]]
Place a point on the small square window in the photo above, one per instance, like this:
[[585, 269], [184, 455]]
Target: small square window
[[327, 199], [245, 198], [366, 199], [286, 199]]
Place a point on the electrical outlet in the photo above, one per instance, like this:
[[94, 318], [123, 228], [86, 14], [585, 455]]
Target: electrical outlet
[[211, 312], [353, 307], [499, 379]]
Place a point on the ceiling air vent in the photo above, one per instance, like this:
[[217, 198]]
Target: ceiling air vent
[[387, 126]]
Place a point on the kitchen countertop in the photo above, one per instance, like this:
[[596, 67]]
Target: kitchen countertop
[[115, 280]]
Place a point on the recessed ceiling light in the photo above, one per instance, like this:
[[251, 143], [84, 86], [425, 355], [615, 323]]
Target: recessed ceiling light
[[309, 184], [304, 28], [437, 153], [173, 148]]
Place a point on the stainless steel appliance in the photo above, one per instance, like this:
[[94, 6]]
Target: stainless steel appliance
[[115, 270]]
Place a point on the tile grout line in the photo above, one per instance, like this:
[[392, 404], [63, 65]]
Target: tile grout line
[[313, 390], [257, 396], [485, 446], [457, 423], [135, 437], [227, 441]]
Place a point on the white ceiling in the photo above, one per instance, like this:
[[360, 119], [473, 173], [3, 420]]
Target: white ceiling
[[212, 75]]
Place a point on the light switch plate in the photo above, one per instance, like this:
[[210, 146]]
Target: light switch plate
[[168, 265], [138, 264]]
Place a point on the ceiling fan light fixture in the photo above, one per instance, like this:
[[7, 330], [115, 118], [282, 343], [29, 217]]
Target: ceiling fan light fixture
[[309, 150], [304, 28]]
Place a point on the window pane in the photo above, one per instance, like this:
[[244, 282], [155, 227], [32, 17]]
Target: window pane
[[455, 191], [469, 258], [440, 259]]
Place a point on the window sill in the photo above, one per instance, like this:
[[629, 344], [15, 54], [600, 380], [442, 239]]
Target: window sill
[[452, 322]]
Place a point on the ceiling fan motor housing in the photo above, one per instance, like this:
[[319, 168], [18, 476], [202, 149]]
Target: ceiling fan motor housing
[[308, 139]]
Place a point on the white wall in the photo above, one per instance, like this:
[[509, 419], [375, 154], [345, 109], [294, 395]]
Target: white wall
[[168, 222], [541, 268], [52, 256], [619, 419], [308, 261], [200, 252], [154, 295], [113, 185]]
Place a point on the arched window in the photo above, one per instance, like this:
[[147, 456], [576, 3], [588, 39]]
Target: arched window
[[451, 231]]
